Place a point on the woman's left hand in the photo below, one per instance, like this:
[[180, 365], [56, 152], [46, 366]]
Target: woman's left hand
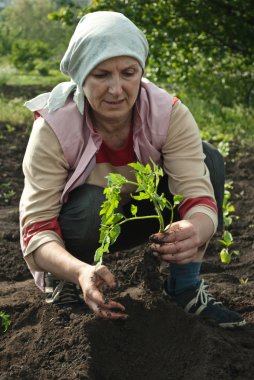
[[178, 244]]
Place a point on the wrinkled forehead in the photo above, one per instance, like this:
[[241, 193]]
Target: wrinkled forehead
[[121, 62]]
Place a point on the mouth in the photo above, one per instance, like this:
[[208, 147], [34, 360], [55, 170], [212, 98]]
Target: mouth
[[115, 102]]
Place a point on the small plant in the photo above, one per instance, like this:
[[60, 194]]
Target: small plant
[[223, 148], [6, 192], [147, 181], [226, 253], [5, 320], [227, 238], [228, 207], [244, 281]]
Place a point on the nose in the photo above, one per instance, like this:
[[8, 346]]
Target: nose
[[115, 86]]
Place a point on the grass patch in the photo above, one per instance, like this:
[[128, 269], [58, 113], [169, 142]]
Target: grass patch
[[34, 79], [11, 76], [217, 122], [13, 112]]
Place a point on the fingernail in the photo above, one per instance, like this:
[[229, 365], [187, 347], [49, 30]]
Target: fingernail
[[155, 254]]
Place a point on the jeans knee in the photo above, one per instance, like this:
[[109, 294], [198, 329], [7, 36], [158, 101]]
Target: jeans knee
[[215, 163], [80, 216]]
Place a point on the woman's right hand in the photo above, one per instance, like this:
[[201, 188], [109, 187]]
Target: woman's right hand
[[91, 280], [52, 257]]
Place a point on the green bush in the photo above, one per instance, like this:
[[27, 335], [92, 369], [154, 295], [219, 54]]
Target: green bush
[[25, 53], [42, 68]]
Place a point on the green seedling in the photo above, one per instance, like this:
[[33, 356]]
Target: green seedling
[[6, 192], [223, 147], [244, 281], [227, 239], [226, 253], [146, 183], [5, 320], [228, 209]]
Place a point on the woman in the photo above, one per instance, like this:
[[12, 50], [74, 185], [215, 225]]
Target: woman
[[106, 117]]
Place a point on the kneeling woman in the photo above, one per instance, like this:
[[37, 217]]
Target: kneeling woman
[[106, 117]]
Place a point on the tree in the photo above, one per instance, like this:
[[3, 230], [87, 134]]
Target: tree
[[28, 20], [26, 53], [226, 24], [196, 44]]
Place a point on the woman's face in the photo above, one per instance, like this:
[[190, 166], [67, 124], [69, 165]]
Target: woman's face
[[112, 87]]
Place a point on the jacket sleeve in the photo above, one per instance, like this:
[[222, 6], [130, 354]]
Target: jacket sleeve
[[184, 164], [45, 170]]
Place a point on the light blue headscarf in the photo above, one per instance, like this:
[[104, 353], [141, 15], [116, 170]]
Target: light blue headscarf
[[98, 37]]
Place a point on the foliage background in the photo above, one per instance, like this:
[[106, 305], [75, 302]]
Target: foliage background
[[192, 42], [200, 50]]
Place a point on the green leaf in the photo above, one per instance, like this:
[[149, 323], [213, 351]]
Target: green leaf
[[230, 208], [115, 179], [177, 199], [225, 256], [141, 196], [114, 233], [98, 254], [147, 179], [134, 210], [227, 221], [227, 237], [6, 320], [118, 217]]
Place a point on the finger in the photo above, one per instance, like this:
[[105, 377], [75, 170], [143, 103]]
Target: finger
[[105, 313], [109, 314], [176, 247], [95, 299], [94, 296], [106, 276], [112, 305], [160, 237], [189, 256], [172, 235], [181, 230]]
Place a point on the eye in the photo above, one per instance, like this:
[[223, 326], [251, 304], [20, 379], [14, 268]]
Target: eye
[[100, 75], [129, 73]]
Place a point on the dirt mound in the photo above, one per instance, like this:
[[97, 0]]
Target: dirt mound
[[158, 341]]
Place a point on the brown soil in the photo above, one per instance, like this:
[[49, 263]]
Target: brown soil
[[158, 341]]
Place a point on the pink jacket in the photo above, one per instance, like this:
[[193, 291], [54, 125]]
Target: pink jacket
[[80, 143]]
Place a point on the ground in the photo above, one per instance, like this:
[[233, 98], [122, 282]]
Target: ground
[[158, 341]]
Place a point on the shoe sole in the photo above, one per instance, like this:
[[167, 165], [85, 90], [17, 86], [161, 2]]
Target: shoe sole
[[232, 325], [78, 297], [61, 302]]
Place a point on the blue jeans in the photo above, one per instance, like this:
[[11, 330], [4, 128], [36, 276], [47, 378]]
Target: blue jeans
[[80, 220]]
